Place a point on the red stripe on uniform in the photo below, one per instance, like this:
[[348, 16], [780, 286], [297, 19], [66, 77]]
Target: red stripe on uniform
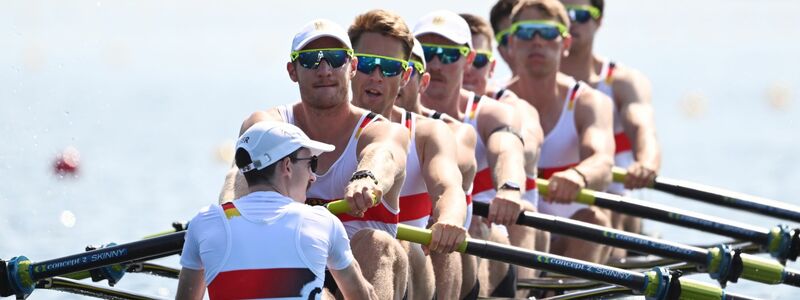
[[469, 199], [415, 206], [622, 142], [260, 283], [482, 182], [228, 205], [546, 173]]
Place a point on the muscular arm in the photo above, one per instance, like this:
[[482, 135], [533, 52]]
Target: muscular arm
[[531, 130], [382, 149], [505, 154], [191, 285], [440, 171], [633, 96], [352, 283], [465, 150], [593, 119]]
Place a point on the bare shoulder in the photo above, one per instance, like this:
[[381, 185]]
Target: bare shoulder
[[594, 102], [385, 129], [496, 110], [628, 80], [432, 128], [271, 114], [519, 104]]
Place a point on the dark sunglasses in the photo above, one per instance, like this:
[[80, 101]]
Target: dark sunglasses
[[418, 67], [582, 13], [548, 30], [502, 37], [311, 58], [482, 58], [312, 161], [390, 67], [446, 54]]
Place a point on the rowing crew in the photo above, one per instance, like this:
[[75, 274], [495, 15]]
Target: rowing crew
[[409, 132]]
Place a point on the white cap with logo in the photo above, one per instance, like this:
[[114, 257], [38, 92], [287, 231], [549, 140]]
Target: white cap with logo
[[269, 141], [447, 24], [317, 29]]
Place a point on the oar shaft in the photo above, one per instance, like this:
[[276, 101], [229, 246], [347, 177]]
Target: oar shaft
[[145, 249], [669, 215], [605, 235], [721, 197]]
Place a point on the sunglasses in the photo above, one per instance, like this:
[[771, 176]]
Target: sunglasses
[[311, 58], [390, 67], [502, 37], [446, 54], [548, 30], [418, 67], [312, 162], [582, 13], [482, 58]]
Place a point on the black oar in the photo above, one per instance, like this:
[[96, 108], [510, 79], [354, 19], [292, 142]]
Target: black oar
[[781, 242], [92, 290], [723, 263], [658, 283], [719, 196]]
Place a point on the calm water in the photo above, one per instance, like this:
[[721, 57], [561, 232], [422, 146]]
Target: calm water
[[149, 91]]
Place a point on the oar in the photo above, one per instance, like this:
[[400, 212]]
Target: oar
[[658, 283], [722, 262], [92, 290], [719, 196], [781, 242]]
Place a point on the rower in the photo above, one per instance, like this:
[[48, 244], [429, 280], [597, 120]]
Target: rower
[[447, 47], [409, 99], [370, 156], [278, 161], [431, 193], [476, 79], [637, 148], [578, 145]]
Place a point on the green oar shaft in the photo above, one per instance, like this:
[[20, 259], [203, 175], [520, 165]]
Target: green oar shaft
[[722, 197]]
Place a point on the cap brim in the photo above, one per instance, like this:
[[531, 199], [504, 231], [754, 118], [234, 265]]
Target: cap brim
[[312, 38], [434, 30], [318, 148]]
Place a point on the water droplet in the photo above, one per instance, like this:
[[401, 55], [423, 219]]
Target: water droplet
[[68, 219]]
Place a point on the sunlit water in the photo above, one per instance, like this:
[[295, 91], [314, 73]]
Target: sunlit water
[[148, 91]]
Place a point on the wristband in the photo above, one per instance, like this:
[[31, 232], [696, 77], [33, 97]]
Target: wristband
[[585, 183], [363, 174]]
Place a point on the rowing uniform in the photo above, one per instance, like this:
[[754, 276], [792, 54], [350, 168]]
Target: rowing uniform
[[468, 220], [330, 186], [561, 151], [415, 202], [265, 245], [483, 186], [623, 156]]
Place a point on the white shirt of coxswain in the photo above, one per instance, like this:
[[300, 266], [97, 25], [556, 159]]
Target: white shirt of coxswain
[[330, 186], [265, 245]]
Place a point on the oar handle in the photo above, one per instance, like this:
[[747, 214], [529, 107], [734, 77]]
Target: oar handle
[[585, 196], [341, 206], [421, 236]]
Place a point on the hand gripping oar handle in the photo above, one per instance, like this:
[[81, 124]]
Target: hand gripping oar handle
[[781, 242], [719, 196], [652, 283]]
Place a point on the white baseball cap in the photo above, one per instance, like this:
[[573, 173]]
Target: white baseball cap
[[269, 141], [447, 24], [317, 29], [417, 50]]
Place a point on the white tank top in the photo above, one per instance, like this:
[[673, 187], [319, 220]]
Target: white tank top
[[483, 188], [561, 151], [415, 202], [265, 245], [623, 155], [330, 186]]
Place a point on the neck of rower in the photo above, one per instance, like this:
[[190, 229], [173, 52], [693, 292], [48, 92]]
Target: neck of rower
[[415, 106], [581, 64], [541, 92], [450, 104], [316, 123]]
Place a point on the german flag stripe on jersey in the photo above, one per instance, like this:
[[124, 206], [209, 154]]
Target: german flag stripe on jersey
[[368, 119], [610, 73], [230, 210], [573, 96]]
